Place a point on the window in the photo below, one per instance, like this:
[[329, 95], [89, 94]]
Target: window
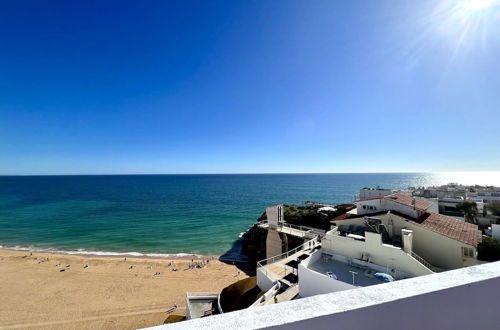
[[467, 252]]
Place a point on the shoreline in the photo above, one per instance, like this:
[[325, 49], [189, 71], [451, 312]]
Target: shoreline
[[113, 254], [69, 291]]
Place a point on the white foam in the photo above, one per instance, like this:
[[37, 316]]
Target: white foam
[[96, 253]]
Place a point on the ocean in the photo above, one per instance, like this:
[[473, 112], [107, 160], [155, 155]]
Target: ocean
[[168, 214]]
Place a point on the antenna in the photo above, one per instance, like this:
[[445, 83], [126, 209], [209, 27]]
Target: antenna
[[353, 273]]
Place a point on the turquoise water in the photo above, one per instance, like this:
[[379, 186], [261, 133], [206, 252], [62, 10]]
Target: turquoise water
[[164, 214]]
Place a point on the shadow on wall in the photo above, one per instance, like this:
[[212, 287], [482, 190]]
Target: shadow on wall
[[240, 295], [235, 256]]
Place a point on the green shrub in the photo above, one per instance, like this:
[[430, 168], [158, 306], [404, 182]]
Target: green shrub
[[174, 318], [488, 249], [240, 295]]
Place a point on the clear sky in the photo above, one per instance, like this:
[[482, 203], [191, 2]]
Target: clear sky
[[249, 86]]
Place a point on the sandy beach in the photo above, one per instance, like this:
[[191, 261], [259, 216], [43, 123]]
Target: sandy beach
[[96, 292]]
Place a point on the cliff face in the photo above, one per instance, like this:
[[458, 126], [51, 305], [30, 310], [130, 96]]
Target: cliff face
[[254, 246], [255, 239]]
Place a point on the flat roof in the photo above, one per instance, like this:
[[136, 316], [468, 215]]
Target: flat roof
[[362, 308], [200, 307], [343, 272]]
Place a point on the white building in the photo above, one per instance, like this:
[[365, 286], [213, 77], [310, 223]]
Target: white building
[[441, 241], [365, 193], [484, 195], [348, 262], [461, 299]]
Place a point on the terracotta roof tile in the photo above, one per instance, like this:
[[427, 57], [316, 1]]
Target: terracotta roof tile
[[421, 204], [403, 199], [465, 232], [340, 217], [444, 225]]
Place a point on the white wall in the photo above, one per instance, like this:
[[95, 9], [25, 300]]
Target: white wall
[[495, 231], [312, 283], [462, 299], [371, 192], [376, 205], [263, 281], [391, 205], [383, 204], [439, 250], [380, 254]]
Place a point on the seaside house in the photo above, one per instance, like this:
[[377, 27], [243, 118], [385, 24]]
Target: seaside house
[[350, 261], [366, 192], [437, 240]]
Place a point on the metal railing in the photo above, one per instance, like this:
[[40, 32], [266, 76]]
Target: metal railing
[[309, 244], [305, 230], [425, 263]]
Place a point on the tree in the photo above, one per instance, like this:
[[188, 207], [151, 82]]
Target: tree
[[470, 211], [494, 208], [488, 249]]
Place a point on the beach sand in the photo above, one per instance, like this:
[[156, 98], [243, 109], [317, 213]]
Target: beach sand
[[107, 294]]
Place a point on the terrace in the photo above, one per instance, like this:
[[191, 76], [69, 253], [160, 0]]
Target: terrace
[[353, 273], [201, 304], [284, 266], [366, 308], [325, 272]]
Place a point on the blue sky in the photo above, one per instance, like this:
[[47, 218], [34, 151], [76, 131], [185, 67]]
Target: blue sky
[[248, 86]]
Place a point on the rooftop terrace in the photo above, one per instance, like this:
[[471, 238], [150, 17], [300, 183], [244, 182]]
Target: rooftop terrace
[[344, 272], [468, 294]]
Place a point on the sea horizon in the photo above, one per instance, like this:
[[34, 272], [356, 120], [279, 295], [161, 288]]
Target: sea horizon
[[168, 214], [255, 173]]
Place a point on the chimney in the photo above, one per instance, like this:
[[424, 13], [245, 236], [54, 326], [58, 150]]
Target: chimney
[[407, 235]]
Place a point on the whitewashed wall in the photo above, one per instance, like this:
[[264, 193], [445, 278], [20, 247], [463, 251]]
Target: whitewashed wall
[[462, 299], [312, 283], [439, 250], [263, 281], [380, 254]]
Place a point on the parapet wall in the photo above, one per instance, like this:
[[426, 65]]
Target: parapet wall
[[459, 299]]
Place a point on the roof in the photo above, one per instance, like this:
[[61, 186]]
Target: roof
[[403, 199], [461, 231], [408, 200], [371, 198], [341, 217]]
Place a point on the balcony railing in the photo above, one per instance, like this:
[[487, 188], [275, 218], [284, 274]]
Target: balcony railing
[[425, 263], [309, 244]]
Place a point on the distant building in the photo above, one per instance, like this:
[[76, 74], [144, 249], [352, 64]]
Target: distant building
[[450, 196], [365, 193], [484, 195]]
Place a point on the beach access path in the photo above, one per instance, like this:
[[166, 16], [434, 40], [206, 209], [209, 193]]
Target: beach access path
[[59, 291]]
